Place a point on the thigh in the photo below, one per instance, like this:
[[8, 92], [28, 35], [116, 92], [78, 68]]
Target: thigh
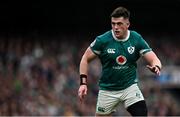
[[138, 109], [106, 102], [132, 95]]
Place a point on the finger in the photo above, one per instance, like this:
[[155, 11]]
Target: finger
[[80, 94], [158, 73], [85, 92], [81, 98], [156, 69], [149, 67]]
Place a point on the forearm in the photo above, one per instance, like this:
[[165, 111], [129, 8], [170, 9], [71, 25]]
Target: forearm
[[83, 69], [152, 59], [86, 59], [154, 64]]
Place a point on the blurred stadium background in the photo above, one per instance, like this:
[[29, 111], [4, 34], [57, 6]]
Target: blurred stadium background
[[41, 44]]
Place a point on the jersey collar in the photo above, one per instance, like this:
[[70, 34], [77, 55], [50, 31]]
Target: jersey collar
[[122, 40]]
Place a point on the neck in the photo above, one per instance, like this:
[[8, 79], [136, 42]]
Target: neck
[[124, 38]]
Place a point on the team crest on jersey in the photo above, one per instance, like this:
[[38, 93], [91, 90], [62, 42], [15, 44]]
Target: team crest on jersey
[[121, 60], [131, 49]]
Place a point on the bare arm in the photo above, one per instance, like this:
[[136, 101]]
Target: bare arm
[[87, 57], [154, 64]]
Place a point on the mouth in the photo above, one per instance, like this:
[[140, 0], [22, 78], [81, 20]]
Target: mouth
[[117, 32]]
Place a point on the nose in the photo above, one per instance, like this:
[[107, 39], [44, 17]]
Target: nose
[[116, 26]]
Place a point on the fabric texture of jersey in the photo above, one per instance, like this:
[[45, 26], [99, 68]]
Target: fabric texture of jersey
[[118, 59]]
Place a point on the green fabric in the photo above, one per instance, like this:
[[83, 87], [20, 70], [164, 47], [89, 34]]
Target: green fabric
[[118, 59]]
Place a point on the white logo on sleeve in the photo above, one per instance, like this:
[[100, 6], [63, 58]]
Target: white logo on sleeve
[[131, 49]]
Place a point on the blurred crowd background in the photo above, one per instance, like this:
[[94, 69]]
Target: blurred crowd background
[[40, 77], [41, 46]]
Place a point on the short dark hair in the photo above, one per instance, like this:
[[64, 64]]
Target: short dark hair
[[121, 12]]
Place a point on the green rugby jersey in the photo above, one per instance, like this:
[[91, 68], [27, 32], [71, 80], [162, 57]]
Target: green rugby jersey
[[118, 59]]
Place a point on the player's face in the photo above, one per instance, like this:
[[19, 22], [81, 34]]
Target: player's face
[[120, 26]]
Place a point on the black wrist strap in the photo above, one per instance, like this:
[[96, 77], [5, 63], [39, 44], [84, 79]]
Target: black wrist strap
[[158, 67], [83, 79]]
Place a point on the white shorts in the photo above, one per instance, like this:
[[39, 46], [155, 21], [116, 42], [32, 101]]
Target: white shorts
[[108, 100]]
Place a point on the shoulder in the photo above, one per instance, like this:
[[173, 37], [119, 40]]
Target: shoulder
[[135, 34], [105, 37], [137, 37]]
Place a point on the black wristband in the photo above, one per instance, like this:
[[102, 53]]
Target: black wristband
[[158, 67], [83, 79]]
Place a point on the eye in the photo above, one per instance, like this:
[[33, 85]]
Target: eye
[[119, 23], [113, 23]]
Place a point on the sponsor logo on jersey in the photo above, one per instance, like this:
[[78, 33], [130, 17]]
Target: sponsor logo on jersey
[[120, 67], [111, 50], [121, 60], [131, 49]]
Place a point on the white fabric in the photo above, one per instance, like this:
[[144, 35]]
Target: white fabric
[[109, 100]]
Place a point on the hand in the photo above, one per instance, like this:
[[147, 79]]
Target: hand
[[82, 92], [154, 69]]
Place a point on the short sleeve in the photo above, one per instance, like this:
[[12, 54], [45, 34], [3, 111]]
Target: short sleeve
[[143, 46], [96, 46]]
